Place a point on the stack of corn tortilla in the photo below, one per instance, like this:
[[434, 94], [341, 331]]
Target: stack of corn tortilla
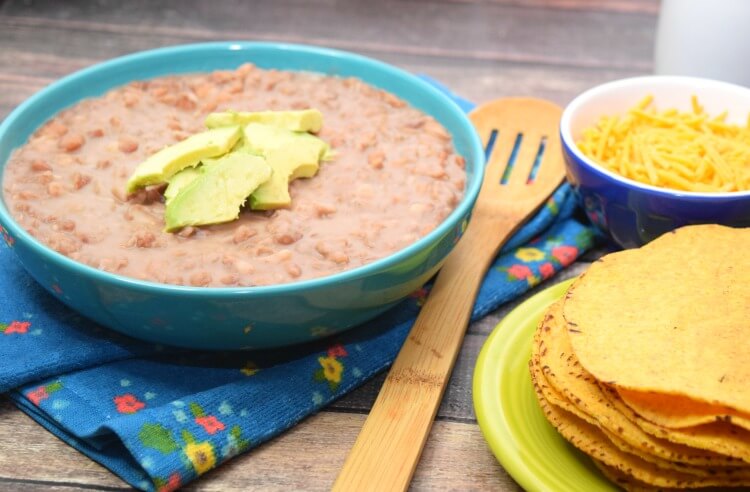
[[644, 364]]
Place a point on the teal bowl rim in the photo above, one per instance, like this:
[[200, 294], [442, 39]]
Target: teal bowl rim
[[464, 207]]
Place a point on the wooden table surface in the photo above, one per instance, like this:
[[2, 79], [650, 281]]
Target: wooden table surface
[[482, 49]]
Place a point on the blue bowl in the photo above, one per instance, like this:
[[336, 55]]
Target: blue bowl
[[247, 317], [634, 213]]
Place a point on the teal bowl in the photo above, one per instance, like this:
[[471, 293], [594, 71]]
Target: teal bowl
[[239, 317]]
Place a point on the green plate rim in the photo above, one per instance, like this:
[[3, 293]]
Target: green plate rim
[[502, 436]]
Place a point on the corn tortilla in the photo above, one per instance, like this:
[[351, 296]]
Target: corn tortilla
[[720, 437], [627, 482], [555, 399], [539, 378], [671, 317], [677, 412], [564, 383], [590, 440]]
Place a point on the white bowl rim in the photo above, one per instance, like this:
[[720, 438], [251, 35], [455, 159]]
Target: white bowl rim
[[584, 98]]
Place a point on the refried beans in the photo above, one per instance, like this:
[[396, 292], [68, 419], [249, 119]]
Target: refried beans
[[394, 178]]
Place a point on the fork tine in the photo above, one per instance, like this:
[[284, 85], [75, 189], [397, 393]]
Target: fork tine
[[525, 158], [491, 142], [498, 159], [485, 135], [485, 119], [507, 116], [552, 166]]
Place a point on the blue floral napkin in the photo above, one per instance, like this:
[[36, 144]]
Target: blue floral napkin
[[159, 417]]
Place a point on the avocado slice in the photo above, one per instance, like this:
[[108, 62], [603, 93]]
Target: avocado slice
[[290, 154], [219, 191], [168, 161], [306, 120], [181, 180]]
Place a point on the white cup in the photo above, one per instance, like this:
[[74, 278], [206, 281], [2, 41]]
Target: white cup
[[704, 38]]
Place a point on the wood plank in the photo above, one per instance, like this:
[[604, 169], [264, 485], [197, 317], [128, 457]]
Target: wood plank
[[481, 82], [476, 81], [641, 6], [40, 50], [494, 32], [307, 457], [44, 457], [310, 456], [14, 485]]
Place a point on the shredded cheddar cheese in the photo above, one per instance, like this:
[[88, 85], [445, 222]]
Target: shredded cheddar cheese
[[689, 151]]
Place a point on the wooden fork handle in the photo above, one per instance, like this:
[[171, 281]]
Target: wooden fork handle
[[388, 447]]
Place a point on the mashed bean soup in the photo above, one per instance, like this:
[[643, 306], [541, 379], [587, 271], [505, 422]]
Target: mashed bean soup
[[391, 178]]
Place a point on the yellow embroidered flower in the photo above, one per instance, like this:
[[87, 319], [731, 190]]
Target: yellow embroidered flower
[[201, 455], [332, 369], [250, 369], [529, 254]]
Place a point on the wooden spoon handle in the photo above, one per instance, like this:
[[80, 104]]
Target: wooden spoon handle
[[389, 445]]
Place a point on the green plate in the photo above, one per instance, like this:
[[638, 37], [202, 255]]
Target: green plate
[[520, 437]]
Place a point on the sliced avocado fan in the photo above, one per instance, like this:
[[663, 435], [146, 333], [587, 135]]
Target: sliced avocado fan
[[210, 175]]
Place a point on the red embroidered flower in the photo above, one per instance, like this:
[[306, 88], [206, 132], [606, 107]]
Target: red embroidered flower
[[36, 396], [337, 350], [17, 327], [546, 270], [421, 292], [172, 484], [420, 295], [565, 254], [128, 403], [211, 424], [57, 289], [519, 271]]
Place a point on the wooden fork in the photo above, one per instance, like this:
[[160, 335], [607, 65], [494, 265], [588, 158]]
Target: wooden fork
[[524, 166]]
